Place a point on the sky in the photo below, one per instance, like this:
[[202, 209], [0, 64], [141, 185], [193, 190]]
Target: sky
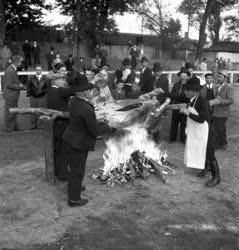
[[134, 23]]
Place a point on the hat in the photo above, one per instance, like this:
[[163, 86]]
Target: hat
[[126, 62], [208, 74], [223, 72], [193, 84], [81, 83], [183, 70], [144, 59], [189, 65], [157, 67], [104, 64]]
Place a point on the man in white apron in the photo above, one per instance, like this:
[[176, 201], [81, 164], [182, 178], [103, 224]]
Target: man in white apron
[[200, 140]]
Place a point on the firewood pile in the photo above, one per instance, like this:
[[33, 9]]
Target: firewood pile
[[137, 166]]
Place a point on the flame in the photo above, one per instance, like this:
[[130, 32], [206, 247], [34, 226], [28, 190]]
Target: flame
[[119, 149]]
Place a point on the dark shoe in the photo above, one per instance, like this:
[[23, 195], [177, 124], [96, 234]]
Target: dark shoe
[[83, 188], [215, 175], [77, 203], [202, 173]]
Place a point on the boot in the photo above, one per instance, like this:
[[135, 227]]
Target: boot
[[207, 168], [215, 174]]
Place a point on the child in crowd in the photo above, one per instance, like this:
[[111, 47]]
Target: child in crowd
[[135, 92], [119, 93], [104, 92]]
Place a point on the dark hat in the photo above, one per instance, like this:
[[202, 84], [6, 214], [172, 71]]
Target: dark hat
[[157, 67], [81, 83], [189, 65], [208, 74], [183, 70], [193, 84], [104, 64], [126, 62], [144, 59], [223, 72]]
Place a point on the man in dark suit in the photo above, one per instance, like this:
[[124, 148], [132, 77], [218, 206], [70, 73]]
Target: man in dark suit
[[36, 51], [58, 95], [160, 81], [145, 82], [37, 91], [80, 137], [26, 47], [50, 56], [11, 92], [178, 118], [222, 102]]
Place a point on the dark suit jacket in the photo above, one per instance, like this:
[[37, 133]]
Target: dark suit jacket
[[82, 130], [200, 104], [37, 88], [178, 89], [26, 47], [161, 82], [203, 91], [146, 82], [226, 96], [11, 87], [36, 50], [58, 98]]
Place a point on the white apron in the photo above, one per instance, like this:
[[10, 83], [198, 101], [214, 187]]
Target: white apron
[[196, 142]]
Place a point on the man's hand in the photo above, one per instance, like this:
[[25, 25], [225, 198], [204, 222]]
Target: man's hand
[[22, 87], [184, 111], [214, 102]]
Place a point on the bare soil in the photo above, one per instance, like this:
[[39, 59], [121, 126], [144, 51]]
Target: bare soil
[[145, 214]]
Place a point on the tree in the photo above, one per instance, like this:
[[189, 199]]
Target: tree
[[157, 20], [91, 19], [232, 27], [194, 10], [20, 14], [202, 29]]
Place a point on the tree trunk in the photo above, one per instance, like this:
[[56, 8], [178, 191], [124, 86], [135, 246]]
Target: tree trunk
[[2, 22], [202, 29]]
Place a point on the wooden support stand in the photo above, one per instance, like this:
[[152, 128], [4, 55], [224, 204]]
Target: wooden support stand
[[47, 116]]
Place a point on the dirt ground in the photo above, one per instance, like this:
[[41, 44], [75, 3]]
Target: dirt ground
[[145, 214]]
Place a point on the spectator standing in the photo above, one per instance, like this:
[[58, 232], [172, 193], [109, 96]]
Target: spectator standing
[[103, 54], [160, 81], [97, 50], [5, 55], [141, 52], [11, 93], [221, 112], [134, 56], [221, 64], [37, 91], [229, 65], [57, 60], [81, 64], [14, 48], [26, 48], [58, 98], [69, 63], [146, 83], [203, 65], [36, 51], [95, 63], [178, 90], [50, 58]]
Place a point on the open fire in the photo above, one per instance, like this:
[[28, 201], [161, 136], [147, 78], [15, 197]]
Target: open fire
[[131, 153]]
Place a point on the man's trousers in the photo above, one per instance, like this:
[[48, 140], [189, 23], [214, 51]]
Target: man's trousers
[[10, 119], [77, 162], [39, 102], [178, 119], [219, 126]]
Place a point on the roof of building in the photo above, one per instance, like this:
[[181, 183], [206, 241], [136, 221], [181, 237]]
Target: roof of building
[[188, 44], [224, 47]]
